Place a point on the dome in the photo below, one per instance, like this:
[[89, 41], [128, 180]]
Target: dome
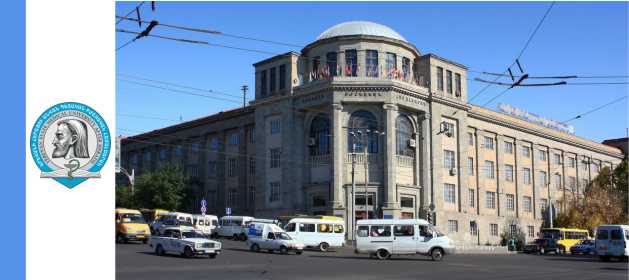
[[360, 28]]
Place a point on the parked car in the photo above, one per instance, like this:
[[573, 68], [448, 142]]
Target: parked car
[[185, 242], [584, 247], [270, 237], [611, 241], [172, 219], [232, 226], [383, 238], [318, 233], [130, 225], [542, 246]]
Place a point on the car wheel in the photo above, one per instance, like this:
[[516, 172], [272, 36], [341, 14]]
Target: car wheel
[[255, 248], [604, 258], [187, 252], [270, 251], [542, 251], [145, 240], [323, 247], [283, 250], [243, 237], [299, 252], [383, 254], [561, 250], [436, 254], [159, 250], [235, 237], [121, 239], [212, 256]]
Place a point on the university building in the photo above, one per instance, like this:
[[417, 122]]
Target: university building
[[362, 104]]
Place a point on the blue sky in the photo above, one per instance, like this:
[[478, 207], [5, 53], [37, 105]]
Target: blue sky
[[575, 39]]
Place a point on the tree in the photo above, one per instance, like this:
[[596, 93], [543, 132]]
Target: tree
[[513, 231], [162, 189], [124, 199]]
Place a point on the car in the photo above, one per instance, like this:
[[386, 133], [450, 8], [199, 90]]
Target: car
[[270, 237], [171, 219], [611, 242], [584, 247], [187, 243], [130, 225], [542, 246]]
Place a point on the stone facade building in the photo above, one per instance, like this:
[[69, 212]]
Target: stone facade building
[[361, 95]]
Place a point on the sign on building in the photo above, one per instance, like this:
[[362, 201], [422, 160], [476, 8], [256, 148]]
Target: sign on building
[[533, 118]]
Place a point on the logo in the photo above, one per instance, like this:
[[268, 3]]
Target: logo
[[70, 143]]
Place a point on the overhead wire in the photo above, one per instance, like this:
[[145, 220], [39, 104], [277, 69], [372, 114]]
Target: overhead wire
[[130, 12], [178, 85], [596, 109]]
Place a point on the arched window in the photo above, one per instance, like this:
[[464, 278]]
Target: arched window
[[361, 122], [403, 133], [320, 132]]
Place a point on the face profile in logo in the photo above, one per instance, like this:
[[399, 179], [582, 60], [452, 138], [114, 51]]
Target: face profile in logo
[[70, 143], [70, 140]]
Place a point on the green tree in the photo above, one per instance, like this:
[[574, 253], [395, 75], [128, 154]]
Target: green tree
[[162, 189], [124, 199]]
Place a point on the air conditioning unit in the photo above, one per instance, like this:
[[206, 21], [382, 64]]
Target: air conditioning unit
[[411, 143], [312, 141], [452, 171], [449, 133]]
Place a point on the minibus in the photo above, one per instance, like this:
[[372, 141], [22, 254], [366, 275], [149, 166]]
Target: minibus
[[232, 226], [130, 225], [317, 233], [611, 241], [383, 238], [205, 224]]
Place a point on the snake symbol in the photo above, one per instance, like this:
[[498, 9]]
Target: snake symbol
[[72, 165]]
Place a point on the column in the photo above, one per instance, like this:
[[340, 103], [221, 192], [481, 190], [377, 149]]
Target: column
[[426, 172], [337, 159], [391, 208]]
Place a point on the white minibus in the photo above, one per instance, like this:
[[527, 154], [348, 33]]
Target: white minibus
[[611, 241], [231, 226], [205, 224], [383, 238], [172, 219], [318, 233]]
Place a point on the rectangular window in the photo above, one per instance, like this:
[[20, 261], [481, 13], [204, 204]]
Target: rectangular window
[[449, 195], [489, 143], [263, 83], [453, 226], [542, 155], [275, 157], [252, 165], [234, 139], [371, 62], [572, 183], [163, 154], [282, 76], [251, 191], [351, 62], [276, 125], [457, 84], [273, 76], [232, 198], [214, 144], [508, 147], [489, 169], [493, 228], [380, 231], [274, 191], [473, 229], [572, 162], [526, 152], [331, 61], [406, 66], [490, 200], [316, 65], [448, 159], [470, 166], [543, 203], [557, 158], [404, 230], [526, 204], [584, 164], [231, 167], [531, 231], [440, 78], [526, 176], [252, 135], [449, 82], [407, 202], [543, 181], [472, 198], [193, 170], [558, 181], [147, 156], [211, 169], [510, 202], [391, 64], [470, 139], [509, 172]]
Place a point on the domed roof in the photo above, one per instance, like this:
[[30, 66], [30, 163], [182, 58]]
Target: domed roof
[[360, 28]]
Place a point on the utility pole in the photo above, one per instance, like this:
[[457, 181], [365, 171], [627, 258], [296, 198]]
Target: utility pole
[[353, 209], [244, 89], [365, 147]]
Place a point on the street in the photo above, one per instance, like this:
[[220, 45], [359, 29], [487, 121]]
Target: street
[[137, 261]]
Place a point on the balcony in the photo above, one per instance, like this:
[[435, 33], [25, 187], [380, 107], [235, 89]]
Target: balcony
[[360, 158], [405, 161], [319, 160]]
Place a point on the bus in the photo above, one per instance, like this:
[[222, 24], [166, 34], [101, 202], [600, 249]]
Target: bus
[[565, 237]]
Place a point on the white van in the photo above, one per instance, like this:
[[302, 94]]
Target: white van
[[318, 233], [245, 230], [231, 226], [270, 237], [171, 219], [383, 238], [205, 224], [611, 241]]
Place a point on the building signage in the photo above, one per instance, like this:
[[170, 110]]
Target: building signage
[[524, 115]]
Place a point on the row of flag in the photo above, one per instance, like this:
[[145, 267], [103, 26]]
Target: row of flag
[[349, 70]]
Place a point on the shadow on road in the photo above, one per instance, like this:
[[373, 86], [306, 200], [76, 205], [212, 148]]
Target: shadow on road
[[573, 259], [369, 259], [170, 255]]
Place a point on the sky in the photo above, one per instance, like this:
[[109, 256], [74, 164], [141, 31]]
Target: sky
[[583, 39]]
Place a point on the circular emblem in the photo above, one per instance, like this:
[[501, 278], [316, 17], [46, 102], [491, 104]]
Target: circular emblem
[[70, 143]]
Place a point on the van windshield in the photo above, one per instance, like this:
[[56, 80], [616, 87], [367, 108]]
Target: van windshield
[[282, 235], [132, 219]]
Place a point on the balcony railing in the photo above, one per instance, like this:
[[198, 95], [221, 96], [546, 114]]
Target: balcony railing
[[360, 158], [405, 161], [320, 160]]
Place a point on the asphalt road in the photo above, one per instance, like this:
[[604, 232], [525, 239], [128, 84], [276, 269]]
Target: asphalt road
[[137, 262]]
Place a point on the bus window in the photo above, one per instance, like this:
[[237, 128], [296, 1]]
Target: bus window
[[363, 231], [339, 229], [380, 231], [290, 227], [602, 234], [616, 234], [324, 228]]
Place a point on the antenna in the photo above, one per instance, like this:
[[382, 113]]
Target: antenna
[[244, 89]]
